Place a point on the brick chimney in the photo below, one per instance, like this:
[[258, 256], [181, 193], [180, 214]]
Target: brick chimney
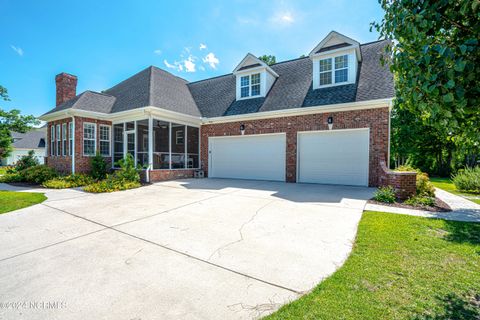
[[66, 87]]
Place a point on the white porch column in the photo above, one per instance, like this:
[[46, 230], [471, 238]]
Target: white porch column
[[150, 142]]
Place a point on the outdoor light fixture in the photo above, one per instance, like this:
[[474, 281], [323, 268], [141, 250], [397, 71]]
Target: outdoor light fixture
[[330, 123], [242, 129]]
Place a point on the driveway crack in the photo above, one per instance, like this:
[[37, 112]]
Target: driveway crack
[[240, 231]]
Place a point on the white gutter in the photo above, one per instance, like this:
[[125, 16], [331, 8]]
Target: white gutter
[[73, 144], [372, 104]]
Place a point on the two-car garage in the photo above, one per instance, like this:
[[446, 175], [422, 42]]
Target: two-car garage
[[327, 157]]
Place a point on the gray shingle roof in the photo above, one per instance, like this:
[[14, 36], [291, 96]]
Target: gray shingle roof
[[215, 97], [33, 139]]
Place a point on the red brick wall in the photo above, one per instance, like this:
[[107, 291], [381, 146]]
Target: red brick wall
[[66, 87], [60, 163], [404, 183], [161, 175], [82, 163], [375, 119]]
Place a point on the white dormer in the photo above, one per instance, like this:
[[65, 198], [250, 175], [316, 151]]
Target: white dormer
[[335, 61], [254, 78]]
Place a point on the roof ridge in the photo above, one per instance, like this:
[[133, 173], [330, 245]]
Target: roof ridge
[[100, 93], [174, 75]]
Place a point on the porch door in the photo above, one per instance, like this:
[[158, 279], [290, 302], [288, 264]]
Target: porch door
[[130, 143]]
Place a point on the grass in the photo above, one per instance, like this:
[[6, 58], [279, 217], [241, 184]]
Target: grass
[[447, 185], [10, 200], [401, 267]]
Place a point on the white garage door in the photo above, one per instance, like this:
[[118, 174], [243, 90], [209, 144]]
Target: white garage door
[[334, 157], [258, 157]]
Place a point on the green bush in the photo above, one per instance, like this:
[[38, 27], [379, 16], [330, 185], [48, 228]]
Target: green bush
[[11, 177], [420, 201], [27, 161], [38, 174], [111, 184], [70, 181], [423, 185], [99, 167], [385, 194], [468, 180], [128, 171]]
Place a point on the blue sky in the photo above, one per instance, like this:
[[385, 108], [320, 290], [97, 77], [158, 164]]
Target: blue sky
[[104, 42]]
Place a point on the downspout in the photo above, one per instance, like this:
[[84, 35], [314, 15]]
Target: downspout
[[389, 131], [73, 144], [150, 147]]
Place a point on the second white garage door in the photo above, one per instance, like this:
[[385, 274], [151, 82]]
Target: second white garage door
[[258, 157], [334, 157]]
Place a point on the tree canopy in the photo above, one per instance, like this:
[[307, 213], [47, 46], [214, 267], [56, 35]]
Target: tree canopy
[[268, 59], [435, 60], [10, 121]]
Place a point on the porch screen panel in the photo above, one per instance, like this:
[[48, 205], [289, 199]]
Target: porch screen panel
[[192, 147], [161, 140], [178, 146], [142, 143], [117, 142]]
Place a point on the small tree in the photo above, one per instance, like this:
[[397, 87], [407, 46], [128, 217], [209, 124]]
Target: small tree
[[27, 161], [268, 59], [98, 166], [128, 171]]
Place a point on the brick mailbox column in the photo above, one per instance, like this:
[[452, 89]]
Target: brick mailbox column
[[404, 183]]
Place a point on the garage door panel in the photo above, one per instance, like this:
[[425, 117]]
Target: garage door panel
[[260, 157], [334, 157]]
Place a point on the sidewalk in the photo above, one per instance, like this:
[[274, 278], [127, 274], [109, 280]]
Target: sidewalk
[[462, 209]]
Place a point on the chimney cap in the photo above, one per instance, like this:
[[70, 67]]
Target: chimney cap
[[66, 75]]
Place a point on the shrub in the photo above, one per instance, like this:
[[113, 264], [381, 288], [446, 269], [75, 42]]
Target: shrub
[[468, 180], [423, 185], [70, 181], [38, 174], [27, 161], [385, 194], [128, 171], [111, 184], [11, 177], [99, 167], [420, 201]]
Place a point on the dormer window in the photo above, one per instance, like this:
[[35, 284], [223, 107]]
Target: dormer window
[[250, 85], [339, 73]]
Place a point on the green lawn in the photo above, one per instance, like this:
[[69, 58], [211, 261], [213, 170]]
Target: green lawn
[[401, 267], [10, 200], [447, 185]]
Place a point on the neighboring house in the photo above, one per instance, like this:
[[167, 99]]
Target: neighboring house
[[320, 119], [24, 142]]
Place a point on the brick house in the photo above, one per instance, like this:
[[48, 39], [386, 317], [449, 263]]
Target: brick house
[[324, 118]]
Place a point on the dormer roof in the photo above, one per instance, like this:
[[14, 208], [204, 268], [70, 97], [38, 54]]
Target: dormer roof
[[336, 41], [251, 62]]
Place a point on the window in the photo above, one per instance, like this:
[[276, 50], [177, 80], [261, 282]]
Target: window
[[341, 69], [104, 140], [70, 138], [57, 136], [250, 85], [52, 140], [64, 139], [89, 139], [338, 72], [179, 137], [117, 142], [325, 71]]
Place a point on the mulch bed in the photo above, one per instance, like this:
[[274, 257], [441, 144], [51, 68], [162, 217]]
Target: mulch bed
[[439, 206]]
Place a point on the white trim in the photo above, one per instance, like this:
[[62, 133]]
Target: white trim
[[109, 141], [73, 144], [169, 146], [262, 65], [58, 140], [297, 170], [64, 139], [371, 104], [94, 139], [248, 135], [342, 37]]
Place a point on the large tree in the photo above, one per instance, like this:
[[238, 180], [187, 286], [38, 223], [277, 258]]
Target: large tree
[[436, 63], [12, 121]]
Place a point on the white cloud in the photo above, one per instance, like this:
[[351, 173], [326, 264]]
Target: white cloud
[[18, 50], [202, 46], [157, 52], [211, 60], [189, 64], [283, 18], [168, 65]]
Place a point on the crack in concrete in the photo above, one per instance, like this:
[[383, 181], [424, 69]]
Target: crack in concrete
[[240, 231]]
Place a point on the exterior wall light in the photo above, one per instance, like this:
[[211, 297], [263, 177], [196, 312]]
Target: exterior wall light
[[242, 129], [330, 123]]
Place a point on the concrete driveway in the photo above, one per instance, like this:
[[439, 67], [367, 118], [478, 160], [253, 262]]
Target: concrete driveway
[[190, 249]]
